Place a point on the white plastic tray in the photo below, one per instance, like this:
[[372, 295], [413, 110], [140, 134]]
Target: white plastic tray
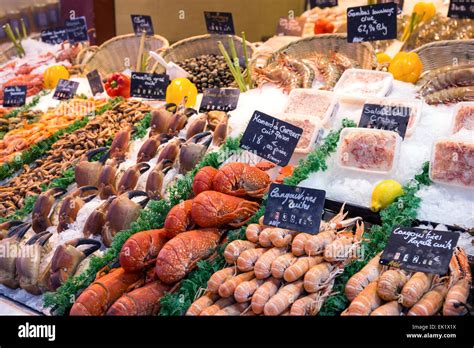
[[364, 83]]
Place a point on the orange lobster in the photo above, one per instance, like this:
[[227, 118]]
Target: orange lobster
[[203, 180], [215, 209], [179, 219]]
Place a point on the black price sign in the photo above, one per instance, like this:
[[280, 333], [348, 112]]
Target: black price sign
[[461, 9], [149, 86], [66, 89], [271, 138], [386, 117], [54, 36], [420, 250], [76, 29], [373, 22], [322, 3], [14, 96], [290, 26], [294, 208], [95, 82], [142, 23], [221, 99], [219, 23]]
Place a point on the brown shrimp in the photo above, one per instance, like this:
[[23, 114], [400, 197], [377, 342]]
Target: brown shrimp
[[281, 263], [235, 248], [283, 299], [201, 304], [390, 284], [297, 247], [318, 276], [217, 306], [430, 303], [263, 266], [228, 287], [300, 267], [233, 310], [392, 308], [244, 291], [315, 244], [361, 279], [219, 278], [264, 238], [280, 237], [415, 288], [252, 232], [366, 302], [246, 260], [461, 75], [263, 294], [451, 95]]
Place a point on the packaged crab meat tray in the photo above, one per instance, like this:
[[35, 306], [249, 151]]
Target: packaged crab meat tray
[[312, 102], [311, 128], [364, 83], [463, 117], [368, 150]]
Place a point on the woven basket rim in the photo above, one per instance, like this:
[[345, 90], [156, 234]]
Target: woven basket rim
[[442, 44], [126, 36]]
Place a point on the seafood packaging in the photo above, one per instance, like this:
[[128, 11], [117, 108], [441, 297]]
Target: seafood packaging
[[368, 150], [452, 161], [311, 102], [463, 117], [311, 128], [369, 83]]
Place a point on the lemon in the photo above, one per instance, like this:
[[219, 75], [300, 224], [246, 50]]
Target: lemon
[[53, 74], [383, 57], [384, 194]]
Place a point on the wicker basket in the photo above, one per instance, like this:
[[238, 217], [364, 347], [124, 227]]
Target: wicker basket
[[203, 44], [8, 54], [444, 53], [111, 55], [363, 53]]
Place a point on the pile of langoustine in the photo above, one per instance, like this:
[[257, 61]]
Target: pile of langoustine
[[376, 290], [113, 186], [154, 262], [280, 272]]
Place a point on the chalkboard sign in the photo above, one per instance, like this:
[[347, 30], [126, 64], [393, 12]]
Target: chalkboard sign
[[322, 3], [373, 22], [66, 89], [14, 96], [76, 29], [142, 23], [386, 117], [95, 82], [149, 86], [271, 138], [420, 250], [295, 208], [461, 9], [219, 23], [290, 27], [221, 99], [54, 36]]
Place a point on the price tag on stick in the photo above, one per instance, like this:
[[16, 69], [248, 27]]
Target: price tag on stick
[[142, 23], [149, 86], [461, 9], [219, 23], [14, 96], [66, 89], [95, 82], [373, 22], [76, 29], [295, 208], [420, 250], [271, 138], [54, 36], [393, 118], [221, 99]]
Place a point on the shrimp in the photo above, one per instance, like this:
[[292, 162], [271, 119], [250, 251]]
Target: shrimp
[[217, 306], [281, 263], [263, 294], [246, 260], [235, 309], [461, 75], [297, 247], [219, 278], [264, 238], [365, 302], [300, 267], [318, 276], [263, 266], [451, 95], [315, 244], [430, 303], [460, 282], [252, 232], [202, 303], [235, 248], [361, 279], [283, 299], [280, 237], [244, 291], [343, 248], [227, 289], [390, 308], [311, 304], [415, 288], [390, 283]]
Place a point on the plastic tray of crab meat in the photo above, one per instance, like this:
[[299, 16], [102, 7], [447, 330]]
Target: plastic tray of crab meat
[[311, 128], [414, 107], [452, 162], [463, 117], [368, 150], [366, 83], [312, 102]]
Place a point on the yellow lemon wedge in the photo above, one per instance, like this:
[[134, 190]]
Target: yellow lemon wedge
[[384, 194]]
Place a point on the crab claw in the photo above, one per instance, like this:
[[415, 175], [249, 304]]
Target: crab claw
[[106, 181], [196, 126], [96, 220], [129, 179], [193, 150], [154, 182], [72, 204], [220, 132], [160, 121], [6, 226], [41, 217], [19, 230], [171, 150], [120, 144], [87, 172], [150, 147]]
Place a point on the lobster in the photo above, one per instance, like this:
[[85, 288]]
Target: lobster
[[179, 219], [203, 180], [215, 209]]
